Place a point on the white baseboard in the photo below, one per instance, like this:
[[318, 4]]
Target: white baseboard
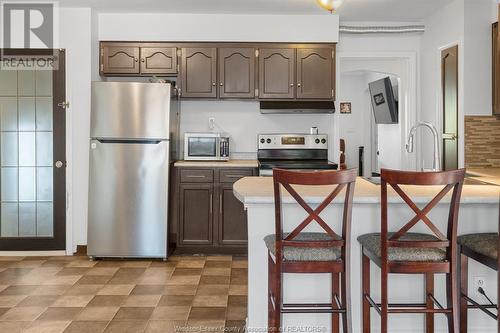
[[32, 253]]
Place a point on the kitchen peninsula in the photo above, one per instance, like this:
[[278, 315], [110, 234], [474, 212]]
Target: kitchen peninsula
[[478, 213]]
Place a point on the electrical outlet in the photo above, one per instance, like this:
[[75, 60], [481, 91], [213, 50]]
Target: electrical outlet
[[479, 282], [211, 123]]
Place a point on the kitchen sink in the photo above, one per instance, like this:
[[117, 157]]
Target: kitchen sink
[[467, 181]]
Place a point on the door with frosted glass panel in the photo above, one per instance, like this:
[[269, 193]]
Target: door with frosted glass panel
[[32, 161]]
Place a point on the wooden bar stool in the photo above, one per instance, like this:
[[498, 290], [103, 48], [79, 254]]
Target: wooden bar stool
[[414, 253], [311, 252], [483, 248]]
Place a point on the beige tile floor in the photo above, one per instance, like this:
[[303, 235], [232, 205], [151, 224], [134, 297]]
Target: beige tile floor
[[72, 294]]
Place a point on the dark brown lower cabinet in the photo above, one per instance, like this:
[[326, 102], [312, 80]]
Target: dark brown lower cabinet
[[206, 216], [196, 214], [232, 218]]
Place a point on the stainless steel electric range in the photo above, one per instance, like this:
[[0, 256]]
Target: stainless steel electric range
[[293, 151]]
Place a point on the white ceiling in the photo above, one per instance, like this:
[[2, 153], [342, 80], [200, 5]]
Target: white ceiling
[[351, 10]]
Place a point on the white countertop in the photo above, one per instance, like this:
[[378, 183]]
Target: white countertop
[[219, 164], [259, 190]]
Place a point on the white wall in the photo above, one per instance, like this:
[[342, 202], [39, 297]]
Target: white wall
[[478, 62], [75, 31], [243, 121], [204, 27], [466, 23], [355, 128]]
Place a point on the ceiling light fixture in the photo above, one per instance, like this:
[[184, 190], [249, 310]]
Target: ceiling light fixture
[[330, 5]]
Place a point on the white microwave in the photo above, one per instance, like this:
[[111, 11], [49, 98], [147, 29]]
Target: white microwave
[[206, 147]]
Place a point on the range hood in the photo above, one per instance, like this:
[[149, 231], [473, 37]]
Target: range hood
[[296, 107]]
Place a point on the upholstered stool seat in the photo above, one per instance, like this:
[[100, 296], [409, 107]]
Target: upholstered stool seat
[[485, 243], [371, 243], [292, 253]]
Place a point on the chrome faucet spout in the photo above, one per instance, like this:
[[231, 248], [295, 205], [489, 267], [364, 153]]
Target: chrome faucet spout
[[409, 146]]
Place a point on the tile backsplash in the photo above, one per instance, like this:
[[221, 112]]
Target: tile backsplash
[[482, 141]]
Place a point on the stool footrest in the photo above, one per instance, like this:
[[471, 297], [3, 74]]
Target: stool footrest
[[402, 308], [310, 308], [483, 307]]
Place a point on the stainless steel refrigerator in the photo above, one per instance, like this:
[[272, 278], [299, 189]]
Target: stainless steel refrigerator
[[133, 141]]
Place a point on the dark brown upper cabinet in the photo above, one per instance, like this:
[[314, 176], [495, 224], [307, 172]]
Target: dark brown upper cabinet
[[315, 75], [120, 58], [199, 72], [276, 73], [237, 72], [158, 60]]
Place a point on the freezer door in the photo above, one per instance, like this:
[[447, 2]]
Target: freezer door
[[130, 110], [128, 198]]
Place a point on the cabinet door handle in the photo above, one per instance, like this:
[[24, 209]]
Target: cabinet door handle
[[143, 60], [221, 84], [291, 84], [213, 84], [211, 203], [235, 176], [195, 176], [220, 203], [298, 84], [136, 59]]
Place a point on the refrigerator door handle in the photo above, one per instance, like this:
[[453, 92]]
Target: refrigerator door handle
[[137, 141]]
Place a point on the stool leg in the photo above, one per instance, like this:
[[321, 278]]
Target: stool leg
[[498, 296], [270, 293], [346, 300], [429, 290], [365, 275], [452, 298], [384, 306], [335, 291], [277, 297], [464, 281]]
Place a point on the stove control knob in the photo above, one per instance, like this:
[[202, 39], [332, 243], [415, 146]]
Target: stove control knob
[[317, 140], [262, 140], [268, 140], [323, 141]]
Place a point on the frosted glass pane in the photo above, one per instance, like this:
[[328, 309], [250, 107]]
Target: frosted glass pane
[[27, 114], [27, 219], [8, 83], [43, 83], [9, 220], [44, 113], [8, 144], [44, 184], [44, 218], [27, 184], [44, 149], [26, 83], [27, 148], [8, 113], [9, 184]]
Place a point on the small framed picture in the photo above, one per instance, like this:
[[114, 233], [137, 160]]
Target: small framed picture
[[345, 107]]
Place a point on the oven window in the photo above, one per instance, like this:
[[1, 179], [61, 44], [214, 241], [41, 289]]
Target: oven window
[[202, 147]]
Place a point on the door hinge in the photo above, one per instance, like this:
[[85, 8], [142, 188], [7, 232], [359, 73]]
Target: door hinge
[[178, 68], [64, 105], [333, 54], [179, 53], [333, 93], [256, 92], [256, 53]]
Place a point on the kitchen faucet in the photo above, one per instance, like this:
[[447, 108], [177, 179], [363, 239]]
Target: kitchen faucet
[[409, 145]]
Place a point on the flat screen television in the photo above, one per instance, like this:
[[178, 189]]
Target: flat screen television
[[385, 105]]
